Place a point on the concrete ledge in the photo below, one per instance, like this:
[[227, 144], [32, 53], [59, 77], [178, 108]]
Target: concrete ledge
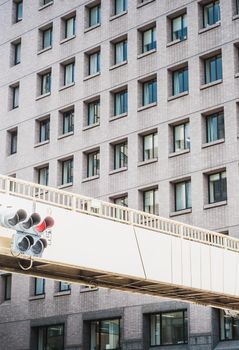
[[179, 153], [203, 30], [118, 15], [118, 65], [147, 106], [65, 185], [43, 96], [144, 3], [182, 94], [63, 41], [91, 76], [91, 126], [44, 50], [119, 116], [148, 161], [92, 27], [46, 5], [214, 205], [213, 143], [116, 171], [41, 143], [66, 86], [65, 135], [37, 297], [141, 55], [91, 178], [180, 212], [213, 83]]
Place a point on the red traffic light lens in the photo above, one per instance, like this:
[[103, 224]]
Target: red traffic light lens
[[46, 223]]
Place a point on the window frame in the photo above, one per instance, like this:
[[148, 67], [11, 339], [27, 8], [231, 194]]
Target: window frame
[[125, 7], [232, 319], [213, 3], [90, 56], [99, 321], [36, 280], [17, 17], [72, 73], [98, 21], [44, 124], [17, 53], [73, 27], [7, 287], [63, 289], [186, 199], [153, 43], [45, 168], [185, 127], [154, 206], [123, 97], [68, 114], [15, 96], [154, 91], [210, 116], [13, 141], [96, 104], [209, 60], [93, 166], [45, 334], [44, 32], [182, 29], [185, 81], [221, 199], [68, 163], [48, 83], [154, 136], [122, 160], [125, 51]]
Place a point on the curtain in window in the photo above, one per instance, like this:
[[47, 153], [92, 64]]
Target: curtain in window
[[46, 83], [67, 171], [94, 15], [70, 27], [211, 13], [121, 103], [148, 147], [120, 52], [179, 136], [69, 74], [149, 92], [15, 96], [47, 38], [43, 176], [94, 63], [17, 53], [177, 28], [93, 112], [149, 40], [120, 6]]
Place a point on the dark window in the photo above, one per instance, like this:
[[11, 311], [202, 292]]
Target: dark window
[[149, 92], [180, 81], [179, 28], [237, 7], [169, 328], [120, 6], [68, 122], [70, 27], [182, 195], [215, 127], [64, 286], [213, 68], [94, 15], [45, 83], [43, 175], [15, 96], [69, 73], [105, 334], [120, 52], [217, 187], [121, 102], [44, 130], [181, 137], [150, 201], [120, 155], [45, 2], [150, 146], [50, 337], [39, 286], [93, 112], [93, 163], [149, 39], [7, 280], [46, 38], [211, 13], [123, 201], [17, 53], [13, 142], [19, 11], [229, 326], [94, 63], [67, 171]]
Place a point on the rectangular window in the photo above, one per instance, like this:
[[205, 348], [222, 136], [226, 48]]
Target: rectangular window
[[121, 102], [7, 280], [94, 63], [43, 175], [50, 337], [149, 92], [93, 163], [46, 38], [93, 112], [45, 83], [120, 155], [229, 327], [94, 15], [123, 201], [68, 122], [105, 334], [67, 171], [179, 28], [213, 68], [13, 142], [217, 184], [211, 13], [120, 6], [19, 11], [215, 127], [150, 201], [181, 137], [180, 81], [39, 284], [45, 2], [169, 328], [70, 27], [69, 73], [44, 130], [237, 7], [17, 53], [183, 195], [15, 96], [149, 39], [150, 146], [121, 52], [64, 286]]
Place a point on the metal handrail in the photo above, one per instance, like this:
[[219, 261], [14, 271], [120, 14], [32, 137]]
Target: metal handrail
[[106, 210]]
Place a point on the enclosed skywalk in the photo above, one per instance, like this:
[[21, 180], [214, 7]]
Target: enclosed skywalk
[[102, 244]]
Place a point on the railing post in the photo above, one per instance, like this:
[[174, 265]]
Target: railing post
[[181, 231], [73, 203], [7, 186]]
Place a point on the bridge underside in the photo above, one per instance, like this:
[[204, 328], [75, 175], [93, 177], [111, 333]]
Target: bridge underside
[[95, 278]]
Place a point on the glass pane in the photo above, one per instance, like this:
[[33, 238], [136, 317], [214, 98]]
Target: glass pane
[[109, 334], [180, 131], [47, 38], [148, 147], [149, 39], [180, 193], [55, 337], [17, 53], [69, 74], [120, 6], [172, 328], [94, 66], [94, 15], [122, 201], [39, 286], [70, 27], [94, 335], [68, 122], [43, 176], [154, 330], [120, 52]]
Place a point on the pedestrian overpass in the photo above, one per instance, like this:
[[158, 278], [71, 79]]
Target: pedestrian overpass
[[106, 245]]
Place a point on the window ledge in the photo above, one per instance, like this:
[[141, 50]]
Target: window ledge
[[42, 96], [236, 75], [235, 17], [118, 15], [41, 143], [91, 178], [205, 86], [91, 126], [147, 106], [91, 76], [182, 94], [59, 294], [174, 42], [44, 50], [213, 143], [180, 212], [37, 297], [118, 65], [66, 86], [144, 3], [203, 30], [115, 171], [119, 116], [46, 5], [92, 27], [148, 161], [86, 290], [146, 53], [178, 153], [63, 41], [215, 205], [65, 135], [69, 184]]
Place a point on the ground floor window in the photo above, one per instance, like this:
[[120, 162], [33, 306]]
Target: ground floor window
[[50, 337], [229, 326], [105, 334]]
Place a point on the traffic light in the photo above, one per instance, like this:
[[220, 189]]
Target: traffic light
[[30, 230]]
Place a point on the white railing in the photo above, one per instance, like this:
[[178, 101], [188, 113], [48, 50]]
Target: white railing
[[72, 201]]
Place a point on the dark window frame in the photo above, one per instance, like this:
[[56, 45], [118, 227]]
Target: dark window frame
[[18, 11], [72, 64], [222, 198], [45, 333], [14, 90], [213, 2], [13, 142], [43, 38], [99, 326], [183, 31], [74, 27], [186, 198], [63, 162], [98, 6], [153, 43], [185, 80], [35, 286], [217, 115], [48, 76], [7, 287], [68, 114], [96, 163], [60, 289], [16, 47], [184, 136], [123, 94], [123, 160], [153, 98], [153, 134], [125, 51], [39, 175], [96, 105], [125, 7], [154, 200], [44, 123], [217, 71]]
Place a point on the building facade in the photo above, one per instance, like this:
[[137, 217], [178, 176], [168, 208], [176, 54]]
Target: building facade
[[134, 102]]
